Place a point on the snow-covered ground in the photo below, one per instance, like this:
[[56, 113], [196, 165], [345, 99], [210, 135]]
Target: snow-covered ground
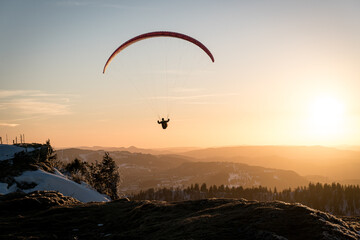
[[56, 182], [48, 181], [8, 151]]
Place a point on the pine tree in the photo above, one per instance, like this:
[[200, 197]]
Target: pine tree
[[110, 176]]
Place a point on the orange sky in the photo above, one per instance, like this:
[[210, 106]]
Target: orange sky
[[284, 73]]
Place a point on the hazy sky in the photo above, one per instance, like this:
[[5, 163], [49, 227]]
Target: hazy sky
[[285, 72]]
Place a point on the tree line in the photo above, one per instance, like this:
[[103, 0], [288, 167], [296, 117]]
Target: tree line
[[334, 198]]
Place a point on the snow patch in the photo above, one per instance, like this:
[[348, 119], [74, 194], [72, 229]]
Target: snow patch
[[58, 182], [8, 151], [4, 188], [256, 183], [84, 156]]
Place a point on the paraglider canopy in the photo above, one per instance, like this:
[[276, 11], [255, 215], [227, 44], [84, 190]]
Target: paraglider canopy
[[168, 79], [158, 34]]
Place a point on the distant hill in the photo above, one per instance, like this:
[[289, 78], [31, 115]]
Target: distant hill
[[318, 153], [132, 149], [349, 147], [143, 171], [164, 161], [237, 174], [333, 163]]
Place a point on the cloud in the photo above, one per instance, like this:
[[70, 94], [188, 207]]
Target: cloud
[[75, 3], [186, 90], [8, 124], [13, 93], [29, 93], [84, 3], [193, 97], [30, 106], [29, 103]]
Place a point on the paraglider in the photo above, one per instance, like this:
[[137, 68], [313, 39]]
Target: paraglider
[[163, 122]]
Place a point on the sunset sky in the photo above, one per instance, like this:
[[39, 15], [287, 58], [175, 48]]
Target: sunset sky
[[285, 73]]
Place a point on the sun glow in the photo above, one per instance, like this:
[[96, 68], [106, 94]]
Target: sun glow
[[326, 117]]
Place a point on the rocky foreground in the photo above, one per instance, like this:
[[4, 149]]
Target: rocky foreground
[[50, 215]]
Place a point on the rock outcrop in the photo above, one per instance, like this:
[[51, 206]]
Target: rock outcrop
[[50, 215]]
